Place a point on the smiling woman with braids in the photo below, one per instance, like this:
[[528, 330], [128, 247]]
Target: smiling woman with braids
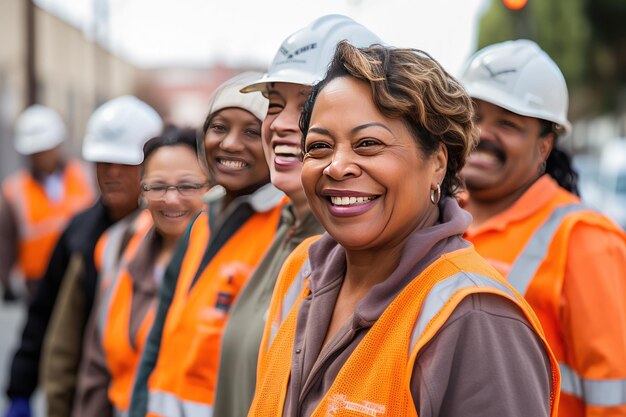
[[391, 312]]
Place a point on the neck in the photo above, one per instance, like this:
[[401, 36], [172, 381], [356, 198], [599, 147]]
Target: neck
[[366, 268], [168, 243], [482, 208], [300, 207], [119, 213]]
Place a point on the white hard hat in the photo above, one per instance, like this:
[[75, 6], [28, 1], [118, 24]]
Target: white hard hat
[[117, 131], [520, 77], [304, 56], [228, 94], [38, 129]]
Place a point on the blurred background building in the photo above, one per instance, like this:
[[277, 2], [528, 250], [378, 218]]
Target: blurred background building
[[43, 59], [48, 60]]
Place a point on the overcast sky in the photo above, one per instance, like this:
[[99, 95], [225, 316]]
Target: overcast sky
[[153, 33]]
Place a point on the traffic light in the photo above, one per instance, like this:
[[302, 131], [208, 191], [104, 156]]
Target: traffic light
[[515, 4]]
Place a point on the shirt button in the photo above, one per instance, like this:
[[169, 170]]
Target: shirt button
[[298, 350]]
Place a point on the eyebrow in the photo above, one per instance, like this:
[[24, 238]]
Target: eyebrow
[[366, 125], [355, 129]]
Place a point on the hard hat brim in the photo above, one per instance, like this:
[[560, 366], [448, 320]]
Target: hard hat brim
[[500, 99], [33, 145], [110, 154], [286, 76]]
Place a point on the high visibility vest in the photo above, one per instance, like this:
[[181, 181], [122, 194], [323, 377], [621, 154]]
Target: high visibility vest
[[383, 361], [533, 261], [41, 221], [184, 379], [121, 353]]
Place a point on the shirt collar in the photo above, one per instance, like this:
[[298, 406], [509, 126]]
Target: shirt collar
[[534, 199], [263, 199]]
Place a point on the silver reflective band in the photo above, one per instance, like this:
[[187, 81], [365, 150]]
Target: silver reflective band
[[441, 292], [168, 405], [119, 413], [290, 298], [598, 392], [528, 261]]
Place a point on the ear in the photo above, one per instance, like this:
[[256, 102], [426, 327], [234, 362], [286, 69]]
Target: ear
[[440, 164], [546, 143]]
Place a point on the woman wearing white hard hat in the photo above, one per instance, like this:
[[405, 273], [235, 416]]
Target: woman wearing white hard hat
[[300, 62], [213, 261], [566, 259]]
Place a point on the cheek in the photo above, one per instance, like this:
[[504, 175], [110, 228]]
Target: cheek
[[256, 150], [211, 141], [309, 176]]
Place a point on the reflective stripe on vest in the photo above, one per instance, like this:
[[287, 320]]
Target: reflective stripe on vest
[[119, 413], [167, 405], [527, 263], [115, 257], [594, 392], [443, 291], [41, 221], [110, 263], [291, 297]]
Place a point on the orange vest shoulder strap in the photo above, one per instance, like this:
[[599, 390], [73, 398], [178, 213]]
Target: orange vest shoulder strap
[[562, 220]]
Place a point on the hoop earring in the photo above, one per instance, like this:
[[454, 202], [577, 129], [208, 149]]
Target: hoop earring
[[435, 195]]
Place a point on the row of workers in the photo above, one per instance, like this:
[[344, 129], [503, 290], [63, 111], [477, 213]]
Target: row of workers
[[390, 311]]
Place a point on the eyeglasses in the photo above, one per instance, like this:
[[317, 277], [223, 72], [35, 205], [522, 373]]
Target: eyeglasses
[[157, 191]]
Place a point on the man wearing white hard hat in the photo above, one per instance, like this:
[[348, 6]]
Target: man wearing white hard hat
[[114, 141], [40, 199], [566, 259]]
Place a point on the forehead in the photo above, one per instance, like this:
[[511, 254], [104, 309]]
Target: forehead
[[348, 98], [487, 107], [234, 113], [288, 90]]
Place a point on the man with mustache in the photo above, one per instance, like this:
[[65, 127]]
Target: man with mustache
[[566, 259], [114, 141]]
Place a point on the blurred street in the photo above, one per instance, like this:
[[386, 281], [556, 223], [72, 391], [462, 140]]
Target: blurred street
[[11, 321]]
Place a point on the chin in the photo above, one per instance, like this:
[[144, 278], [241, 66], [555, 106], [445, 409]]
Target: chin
[[286, 183]]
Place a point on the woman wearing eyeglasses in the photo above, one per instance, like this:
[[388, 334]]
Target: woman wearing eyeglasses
[[213, 261], [173, 183]]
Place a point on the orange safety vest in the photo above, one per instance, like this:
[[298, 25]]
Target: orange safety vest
[[121, 353], [383, 361], [533, 260], [184, 378], [41, 221]]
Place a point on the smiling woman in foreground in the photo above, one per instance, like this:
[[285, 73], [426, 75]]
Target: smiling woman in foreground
[[391, 312]]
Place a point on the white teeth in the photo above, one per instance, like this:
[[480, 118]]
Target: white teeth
[[175, 214], [287, 150], [232, 164], [346, 201], [479, 156]]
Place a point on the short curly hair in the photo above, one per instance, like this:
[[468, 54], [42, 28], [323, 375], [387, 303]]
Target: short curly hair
[[409, 84]]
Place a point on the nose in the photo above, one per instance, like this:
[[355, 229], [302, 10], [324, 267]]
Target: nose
[[286, 122], [232, 142], [343, 165], [485, 131], [171, 195]]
